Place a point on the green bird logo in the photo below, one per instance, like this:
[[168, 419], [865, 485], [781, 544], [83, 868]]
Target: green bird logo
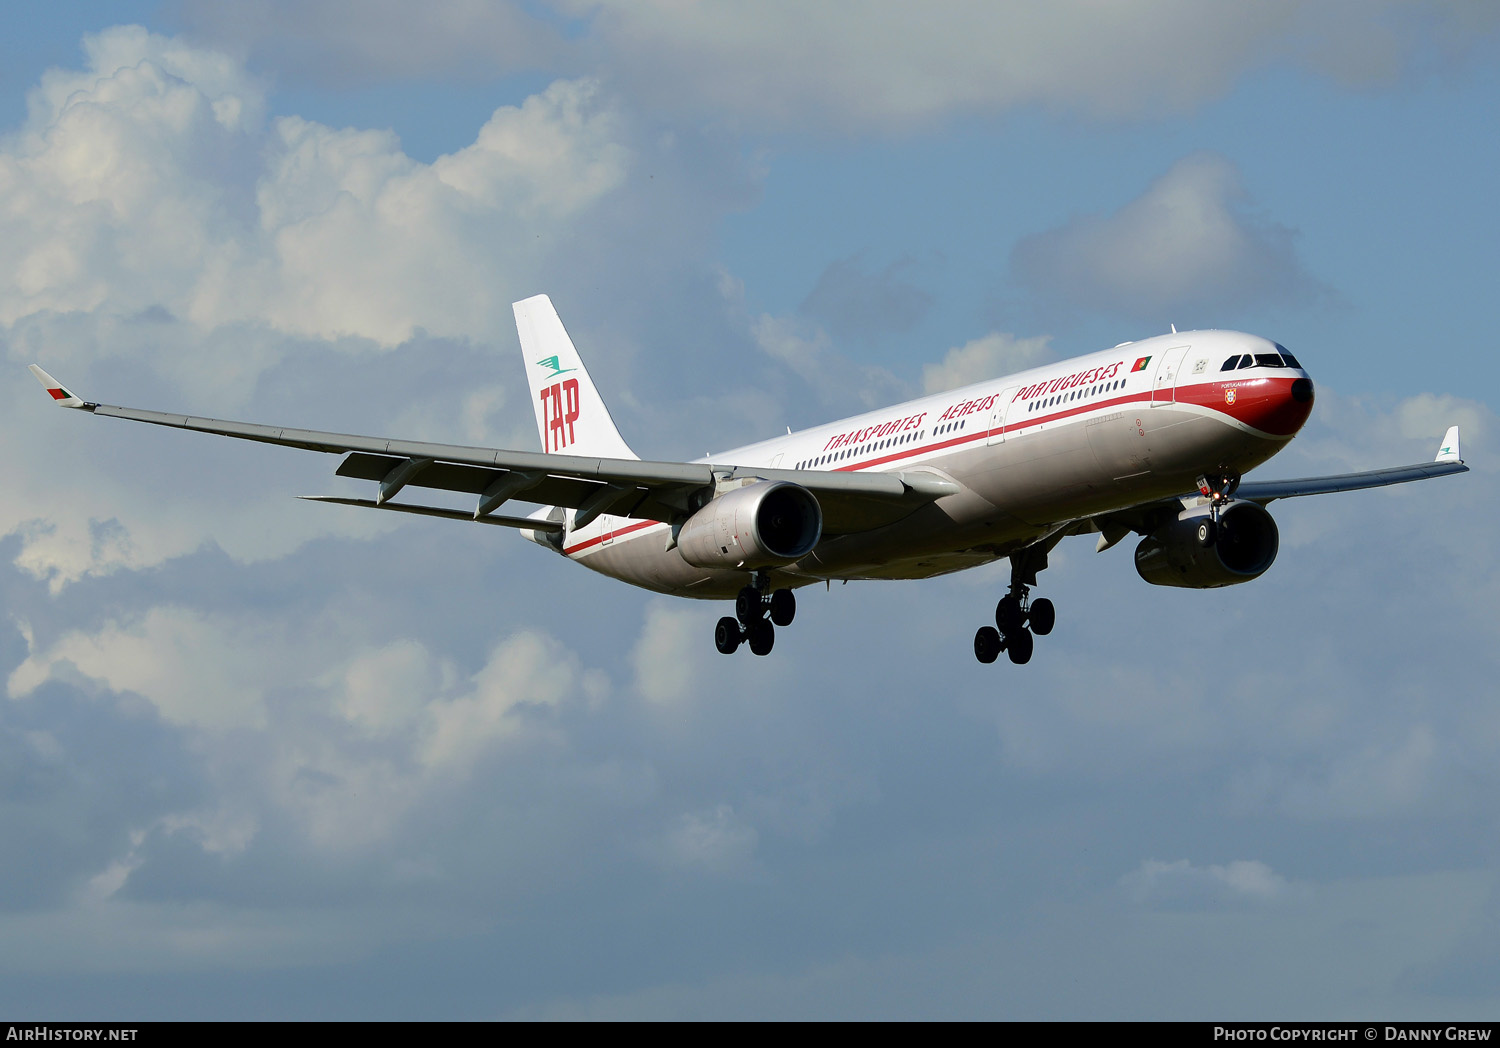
[[557, 368]]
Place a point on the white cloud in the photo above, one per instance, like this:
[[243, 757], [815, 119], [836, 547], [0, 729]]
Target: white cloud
[[220, 832], [1380, 780], [667, 657], [209, 674], [1182, 883], [808, 352], [175, 72], [862, 67], [995, 354], [150, 218], [525, 670], [878, 66], [1188, 244], [715, 841], [319, 42], [405, 726], [149, 181], [551, 157], [384, 690]]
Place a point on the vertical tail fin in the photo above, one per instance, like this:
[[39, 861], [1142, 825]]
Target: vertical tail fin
[[570, 415]]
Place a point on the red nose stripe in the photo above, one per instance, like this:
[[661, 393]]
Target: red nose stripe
[[1266, 404]]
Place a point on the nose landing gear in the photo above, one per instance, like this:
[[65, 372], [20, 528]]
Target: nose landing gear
[[1218, 488], [750, 623]]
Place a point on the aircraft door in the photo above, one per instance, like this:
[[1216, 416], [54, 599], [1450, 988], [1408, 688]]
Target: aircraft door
[[1164, 388], [998, 416]]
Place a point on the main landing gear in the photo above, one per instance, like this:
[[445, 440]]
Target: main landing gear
[[1019, 620], [749, 622]]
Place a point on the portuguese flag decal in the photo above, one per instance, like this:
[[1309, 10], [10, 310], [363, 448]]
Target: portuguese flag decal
[[1140, 365]]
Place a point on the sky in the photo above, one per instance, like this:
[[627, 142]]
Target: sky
[[261, 758]]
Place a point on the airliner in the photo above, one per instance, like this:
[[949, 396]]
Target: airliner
[[1150, 438]]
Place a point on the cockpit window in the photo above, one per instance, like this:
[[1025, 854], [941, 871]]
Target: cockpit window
[[1265, 360]]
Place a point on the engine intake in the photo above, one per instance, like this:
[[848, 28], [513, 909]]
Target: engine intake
[[1183, 552], [761, 525]]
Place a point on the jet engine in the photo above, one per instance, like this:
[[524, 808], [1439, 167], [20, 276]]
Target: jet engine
[[1191, 551], [761, 525]]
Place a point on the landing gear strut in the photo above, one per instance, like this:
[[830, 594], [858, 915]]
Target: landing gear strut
[[1218, 488], [749, 622], [1019, 620]]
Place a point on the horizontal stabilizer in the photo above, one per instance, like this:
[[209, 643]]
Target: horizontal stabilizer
[[529, 523]]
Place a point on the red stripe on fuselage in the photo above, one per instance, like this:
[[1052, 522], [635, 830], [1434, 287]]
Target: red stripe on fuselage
[[1073, 409], [1263, 403], [598, 539]]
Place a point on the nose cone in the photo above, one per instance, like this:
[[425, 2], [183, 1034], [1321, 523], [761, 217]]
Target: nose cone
[[1278, 406]]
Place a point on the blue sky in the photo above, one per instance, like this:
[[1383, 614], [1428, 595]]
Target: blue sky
[[269, 759]]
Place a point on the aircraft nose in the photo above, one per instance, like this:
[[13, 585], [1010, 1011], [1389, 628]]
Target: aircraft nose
[[1272, 405], [1280, 405]]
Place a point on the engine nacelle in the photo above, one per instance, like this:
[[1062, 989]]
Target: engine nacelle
[[1182, 553], [761, 525]]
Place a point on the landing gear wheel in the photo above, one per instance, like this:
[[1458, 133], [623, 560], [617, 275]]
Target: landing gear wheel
[[1018, 646], [762, 635], [727, 636], [783, 607], [1207, 534], [987, 644], [1008, 614], [747, 606], [1043, 616]]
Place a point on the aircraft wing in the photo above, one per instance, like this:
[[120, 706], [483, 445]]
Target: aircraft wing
[[663, 491], [1449, 460], [1114, 526]]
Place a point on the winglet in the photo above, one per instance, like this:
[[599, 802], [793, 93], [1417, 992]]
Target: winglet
[[1448, 451], [55, 388]]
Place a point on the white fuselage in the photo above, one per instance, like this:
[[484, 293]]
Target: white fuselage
[[1029, 451]]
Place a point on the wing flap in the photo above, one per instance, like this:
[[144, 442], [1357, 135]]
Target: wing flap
[[851, 501], [528, 523]]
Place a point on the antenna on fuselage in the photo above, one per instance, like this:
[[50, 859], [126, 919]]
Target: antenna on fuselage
[[1174, 329]]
